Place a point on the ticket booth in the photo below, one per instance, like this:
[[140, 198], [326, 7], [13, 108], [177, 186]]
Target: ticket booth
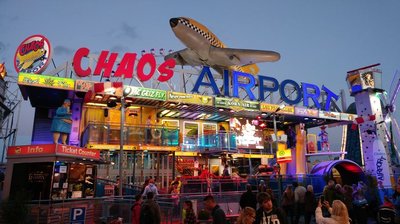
[[51, 172]]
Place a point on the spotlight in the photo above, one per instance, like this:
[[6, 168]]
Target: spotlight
[[113, 98], [133, 114], [98, 97], [127, 90], [111, 104], [221, 109]]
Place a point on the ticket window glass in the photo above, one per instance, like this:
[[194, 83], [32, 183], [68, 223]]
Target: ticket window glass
[[81, 180], [60, 181]]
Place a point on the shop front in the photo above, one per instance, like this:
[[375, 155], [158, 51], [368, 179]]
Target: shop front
[[51, 172]]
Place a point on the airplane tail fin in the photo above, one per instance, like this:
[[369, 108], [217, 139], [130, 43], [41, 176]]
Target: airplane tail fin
[[251, 69]]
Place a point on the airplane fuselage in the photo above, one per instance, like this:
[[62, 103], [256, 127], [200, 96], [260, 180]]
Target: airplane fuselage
[[204, 48], [191, 36]]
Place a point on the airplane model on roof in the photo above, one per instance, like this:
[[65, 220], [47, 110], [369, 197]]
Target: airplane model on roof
[[204, 48]]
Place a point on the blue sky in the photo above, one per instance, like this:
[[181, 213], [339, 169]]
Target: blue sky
[[319, 41]]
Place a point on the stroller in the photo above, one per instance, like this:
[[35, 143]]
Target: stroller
[[386, 215]]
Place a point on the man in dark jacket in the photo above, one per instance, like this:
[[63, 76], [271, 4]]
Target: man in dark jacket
[[218, 215], [267, 213], [150, 212], [248, 198]]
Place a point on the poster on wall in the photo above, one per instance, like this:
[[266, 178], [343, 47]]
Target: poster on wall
[[248, 133], [190, 133], [311, 143], [215, 170]]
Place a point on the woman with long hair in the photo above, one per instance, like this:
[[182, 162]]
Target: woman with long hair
[[339, 214], [190, 217], [287, 203], [309, 204], [247, 216]]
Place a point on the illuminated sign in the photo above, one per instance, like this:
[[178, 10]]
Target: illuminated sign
[[29, 150], [189, 98], [306, 91], [283, 156], [236, 104], [77, 151], [266, 107], [107, 63], [46, 81], [248, 135], [33, 55], [305, 112], [52, 150], [146, 93]]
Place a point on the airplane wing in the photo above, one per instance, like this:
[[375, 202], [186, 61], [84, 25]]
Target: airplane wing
[[225, 58], [241, 57], [185, 57]]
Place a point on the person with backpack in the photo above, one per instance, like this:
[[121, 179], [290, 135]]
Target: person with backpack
[[150, 212], [151, 187]]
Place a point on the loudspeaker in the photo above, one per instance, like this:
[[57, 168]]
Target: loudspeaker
[[105, 112]]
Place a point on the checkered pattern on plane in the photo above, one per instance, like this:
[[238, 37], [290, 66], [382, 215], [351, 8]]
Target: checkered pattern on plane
[[192, 24]]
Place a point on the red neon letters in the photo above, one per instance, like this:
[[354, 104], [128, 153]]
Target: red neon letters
[[125, 68]]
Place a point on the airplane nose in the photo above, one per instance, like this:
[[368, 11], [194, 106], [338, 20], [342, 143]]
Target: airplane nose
[[173, 22]]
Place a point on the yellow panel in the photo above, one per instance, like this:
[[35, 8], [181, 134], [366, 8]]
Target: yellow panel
[[45, 81]]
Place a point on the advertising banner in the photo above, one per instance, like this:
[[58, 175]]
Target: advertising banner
[[306, 112], [146, 93], [271, 108], [52, 82], [329, 115], [189, 98], [236, 104], [347, 117]]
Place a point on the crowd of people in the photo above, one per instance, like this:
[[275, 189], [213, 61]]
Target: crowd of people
[[346, 204]]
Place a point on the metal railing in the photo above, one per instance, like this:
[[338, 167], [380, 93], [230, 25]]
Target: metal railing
[[106, 133]]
